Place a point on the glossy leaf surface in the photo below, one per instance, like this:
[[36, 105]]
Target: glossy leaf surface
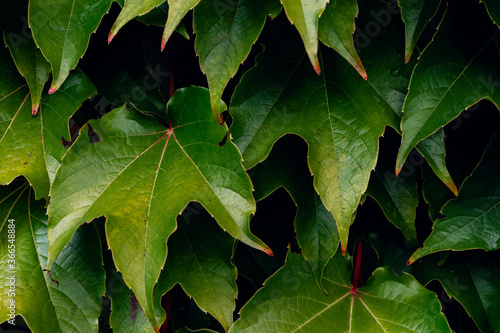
[[339, 114], [151, 173], [291, 302]]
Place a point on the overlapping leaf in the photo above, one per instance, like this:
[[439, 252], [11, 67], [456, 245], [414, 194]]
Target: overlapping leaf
[[34, 147], [304, 14], [493, 9], [28, 58], [390, 76], [225, 32], [72, 301], [62, 30], [472, 278], [132, 9], [416, 14], [316, 230], [291, 302], [473, 219], [455, 71], [199, 259], [177, 10], [397, 196], [336, 27], [141, 176], [339, 114]]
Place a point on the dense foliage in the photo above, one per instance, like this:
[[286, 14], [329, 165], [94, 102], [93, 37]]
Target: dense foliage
[[250, 166]]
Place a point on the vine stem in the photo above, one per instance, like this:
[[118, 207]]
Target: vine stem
[[357, 278]]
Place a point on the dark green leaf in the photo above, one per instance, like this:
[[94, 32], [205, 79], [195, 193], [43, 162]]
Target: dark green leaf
[[33, 147], [336, 26], [317, 234], [416, 14], [177, 10], [225, 32], [62, 30], [339, 114], [28, 58], [472, 278], [454, 72], [493, 10], [132, 9], [304, 14], [67, 300], [199, 259], [472, 220]]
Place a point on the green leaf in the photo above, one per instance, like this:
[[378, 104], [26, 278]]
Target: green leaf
[[317, 234], [126, 312], [434, 151], [336, 27], [177, 10], [304, 14], [390, 76], [149, 174], [62, 30], [28, 58], [225, 32], [472, 219], [493, 8], [454, 72], [132, 9], [472, 278], [291, 302], [29, 146], [339, 114], [397, 196], [416, 14], [72, 301], [199, 259]]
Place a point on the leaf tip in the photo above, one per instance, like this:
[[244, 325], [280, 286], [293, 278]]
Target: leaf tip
[[33, 112], [53, 89], [268, 251], [344, 248], [111, 36], [163, 43]]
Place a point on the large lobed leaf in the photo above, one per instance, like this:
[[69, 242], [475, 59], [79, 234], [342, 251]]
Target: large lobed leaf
[[141, 175], [34, 147], [225, 32], [340, 115], [69, 300], [473, 219], [62, 29], [291, 302]]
